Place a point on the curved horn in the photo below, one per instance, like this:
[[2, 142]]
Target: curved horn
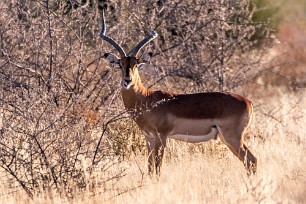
[[142, 43], [110, 40]]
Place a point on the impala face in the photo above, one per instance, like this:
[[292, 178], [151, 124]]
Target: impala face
[[128, 66]]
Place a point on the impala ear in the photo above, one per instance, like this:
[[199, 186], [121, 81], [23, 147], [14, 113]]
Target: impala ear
[[145, 58], [113, 59]]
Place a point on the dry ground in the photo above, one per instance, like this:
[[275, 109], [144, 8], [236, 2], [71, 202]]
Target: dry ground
[[210, 173]]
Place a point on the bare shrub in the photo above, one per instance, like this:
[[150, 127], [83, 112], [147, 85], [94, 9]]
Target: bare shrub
[[53, 99]]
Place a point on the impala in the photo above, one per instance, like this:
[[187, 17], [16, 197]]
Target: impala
[[187, 117]]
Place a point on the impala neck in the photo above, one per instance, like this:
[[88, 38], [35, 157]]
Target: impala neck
[[136, 94]]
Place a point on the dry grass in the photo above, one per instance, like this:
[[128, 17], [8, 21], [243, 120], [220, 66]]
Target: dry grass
[[207, 178], [276, 136]]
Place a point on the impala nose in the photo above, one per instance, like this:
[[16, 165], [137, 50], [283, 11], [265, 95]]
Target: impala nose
[[127, 83]]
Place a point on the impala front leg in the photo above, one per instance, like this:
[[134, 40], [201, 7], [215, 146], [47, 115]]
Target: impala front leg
[[156, 147], [151, 154], [160, 145]]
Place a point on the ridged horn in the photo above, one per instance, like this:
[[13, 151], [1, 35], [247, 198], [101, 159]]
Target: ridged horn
[[142, 43], [110, 40]]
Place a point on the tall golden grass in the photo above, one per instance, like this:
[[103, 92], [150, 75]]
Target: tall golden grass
[[209, 173]]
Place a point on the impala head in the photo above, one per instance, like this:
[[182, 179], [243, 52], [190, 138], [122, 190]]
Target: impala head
[[128, 63], [129, 67]]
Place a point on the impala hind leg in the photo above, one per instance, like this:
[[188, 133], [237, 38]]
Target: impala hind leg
[[250, 161], [240, 150], [244, 155]]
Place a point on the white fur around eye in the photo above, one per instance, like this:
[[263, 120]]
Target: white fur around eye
[[145, 58], [113, 59]]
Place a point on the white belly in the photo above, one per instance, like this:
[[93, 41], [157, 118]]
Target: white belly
[[192, 130], [195, 138]]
